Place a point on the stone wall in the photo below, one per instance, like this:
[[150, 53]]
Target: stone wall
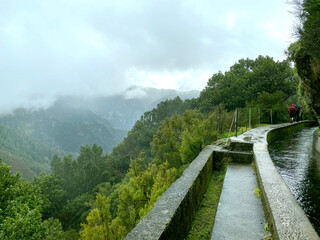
[[286, 217], [173, 213]]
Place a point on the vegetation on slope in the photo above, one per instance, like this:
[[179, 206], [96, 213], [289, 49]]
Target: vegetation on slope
[[64, 128], [24, 154], [202, 225], [305, 52], [104, 196]]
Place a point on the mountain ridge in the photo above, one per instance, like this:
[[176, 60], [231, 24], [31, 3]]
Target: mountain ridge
[[72, 122]]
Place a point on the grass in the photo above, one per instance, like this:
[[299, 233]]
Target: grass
[[203, 223], [257, 192]]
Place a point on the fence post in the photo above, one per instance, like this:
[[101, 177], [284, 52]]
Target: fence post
[[236, 122], [259, 115], [249, 118], [271, 115]]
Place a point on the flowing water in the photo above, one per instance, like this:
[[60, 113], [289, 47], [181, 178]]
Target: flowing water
[[299, 165]]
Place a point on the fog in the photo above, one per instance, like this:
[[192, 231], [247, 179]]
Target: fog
[[88, 48]]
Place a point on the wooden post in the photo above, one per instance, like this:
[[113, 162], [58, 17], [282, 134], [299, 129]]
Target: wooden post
[[249, 118], [236, 122]]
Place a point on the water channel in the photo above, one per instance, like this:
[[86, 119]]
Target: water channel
[[299, 165]]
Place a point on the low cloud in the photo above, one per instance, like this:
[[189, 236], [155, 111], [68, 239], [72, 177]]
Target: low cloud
[[54, 48]]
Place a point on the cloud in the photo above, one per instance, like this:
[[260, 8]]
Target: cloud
[[101, 47], [135, 93]]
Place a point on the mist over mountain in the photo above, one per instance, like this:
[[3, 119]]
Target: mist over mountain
[[24, 154], [29, 138], [65, 128], [124, 109]]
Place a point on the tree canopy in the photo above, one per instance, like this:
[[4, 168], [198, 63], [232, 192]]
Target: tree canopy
[[103, 196], [245, 81], [305, 52]]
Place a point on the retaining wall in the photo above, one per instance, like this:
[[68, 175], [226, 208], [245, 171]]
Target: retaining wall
[[287, 218], [173, 213]]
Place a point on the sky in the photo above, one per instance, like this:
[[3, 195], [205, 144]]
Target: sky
[[86, 48]]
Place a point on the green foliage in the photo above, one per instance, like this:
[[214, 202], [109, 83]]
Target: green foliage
[[53, 230], [192, 137], [139, 138], [162, 181], [108, 194], [82, 174], [20, 210], [98, 220], [53, 193], [176, 143], [245, 81], [256, 192], [68, 189], [266, 227], [203, 223], [64, 128], [167, 141], [24, 153], [99, 224], [75, 211], [306, 51], [308, 31]]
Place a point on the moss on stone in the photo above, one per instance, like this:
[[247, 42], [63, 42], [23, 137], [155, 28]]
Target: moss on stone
[[203, 223]]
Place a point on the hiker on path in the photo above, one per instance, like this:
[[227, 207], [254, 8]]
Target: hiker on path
[[297, 113], [292, 111]]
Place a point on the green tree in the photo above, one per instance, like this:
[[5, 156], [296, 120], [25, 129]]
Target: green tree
[[99, 222], [192, 136], [167, 141], [245, 81], [53, 193], [20, 209], [306, 51]]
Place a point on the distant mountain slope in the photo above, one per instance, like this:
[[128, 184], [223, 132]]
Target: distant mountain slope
[[29, 139], [24, 154], [123, 110], [65, 128]]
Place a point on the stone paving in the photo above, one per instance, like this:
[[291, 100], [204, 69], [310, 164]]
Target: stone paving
[[240, 213], [287, 218]]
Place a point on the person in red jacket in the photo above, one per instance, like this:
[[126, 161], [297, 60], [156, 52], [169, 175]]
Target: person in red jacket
[[292, 110]]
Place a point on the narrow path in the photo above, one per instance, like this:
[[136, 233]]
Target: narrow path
[[240, 213]]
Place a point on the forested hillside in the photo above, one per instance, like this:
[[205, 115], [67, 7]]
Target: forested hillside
[[64, 128], [24, 154], [124, 109], [31, 138], [97, 195], [305, 52]]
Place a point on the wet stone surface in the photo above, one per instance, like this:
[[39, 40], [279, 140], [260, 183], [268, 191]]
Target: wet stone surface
[[240, 214], [299, 165]]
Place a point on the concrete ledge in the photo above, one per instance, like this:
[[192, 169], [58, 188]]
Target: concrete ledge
[[288, 219], [173, 213], [234, 156]]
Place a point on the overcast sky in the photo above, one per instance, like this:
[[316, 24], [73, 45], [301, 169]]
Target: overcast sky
[[87, 47]]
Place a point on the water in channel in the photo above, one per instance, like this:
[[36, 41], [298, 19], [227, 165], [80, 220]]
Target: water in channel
[[299, 165]]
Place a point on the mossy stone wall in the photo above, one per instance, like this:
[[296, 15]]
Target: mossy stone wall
[[173, 213]]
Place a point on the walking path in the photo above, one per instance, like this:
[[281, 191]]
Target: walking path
[[240, 213]]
